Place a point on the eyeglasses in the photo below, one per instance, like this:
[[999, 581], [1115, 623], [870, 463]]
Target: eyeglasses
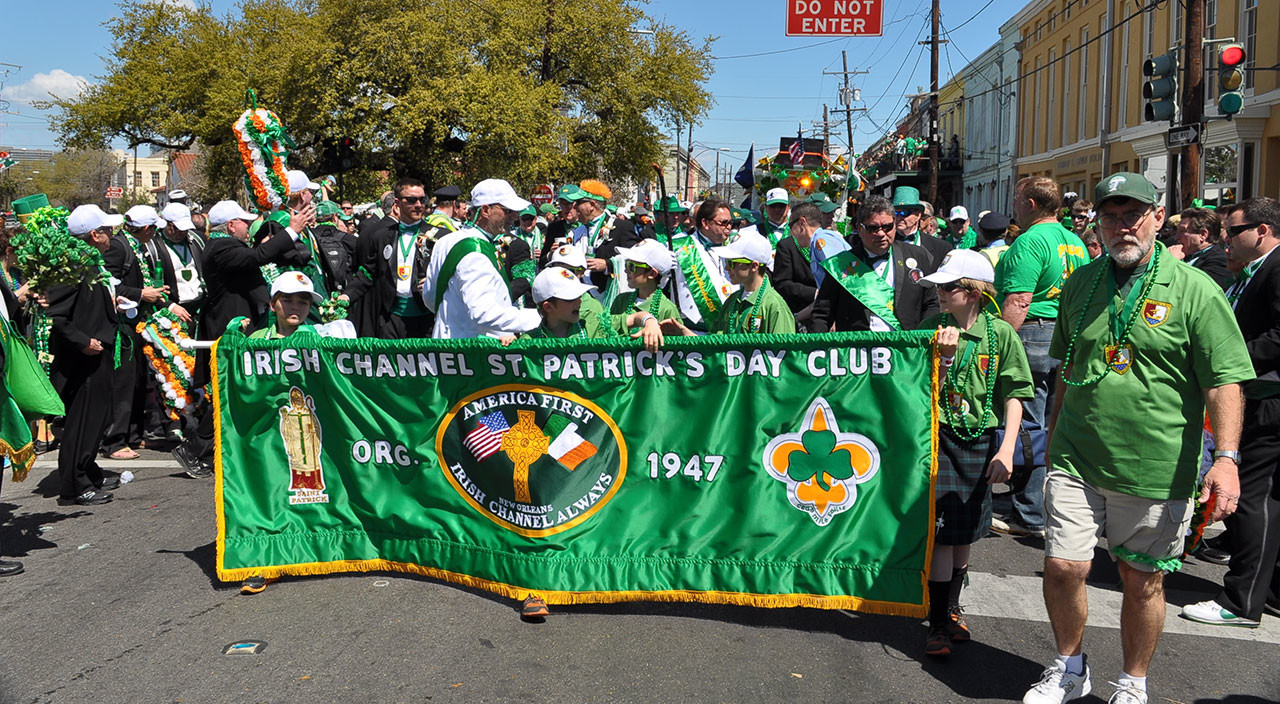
[[885, 228], [412, 200], [1237, 230], [1128, 220], [951, 287], [722, 223], [637, 267]]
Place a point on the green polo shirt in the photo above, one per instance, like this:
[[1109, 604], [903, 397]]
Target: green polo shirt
[[624, 305], [1039, 262], [593, 318], [771, 317], [1013, 374], [1139, 432]]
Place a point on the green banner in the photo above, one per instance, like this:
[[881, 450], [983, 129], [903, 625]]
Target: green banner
[[763, 470]]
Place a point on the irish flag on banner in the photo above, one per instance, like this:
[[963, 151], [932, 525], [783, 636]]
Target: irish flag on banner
[[567, 446]]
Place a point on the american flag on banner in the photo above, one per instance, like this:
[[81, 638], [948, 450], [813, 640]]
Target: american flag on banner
[[796, 152], [487, 439]]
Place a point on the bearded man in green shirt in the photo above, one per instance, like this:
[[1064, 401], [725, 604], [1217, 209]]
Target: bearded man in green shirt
[[1146, 343]]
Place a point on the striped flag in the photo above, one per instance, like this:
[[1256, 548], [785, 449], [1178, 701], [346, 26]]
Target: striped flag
[[796, 152], [567, 446], [487, 438]]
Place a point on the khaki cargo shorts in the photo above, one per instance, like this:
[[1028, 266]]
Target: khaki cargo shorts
[[1139, 531]]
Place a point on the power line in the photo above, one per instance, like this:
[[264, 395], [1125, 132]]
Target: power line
[[975, 15], [778, 51]]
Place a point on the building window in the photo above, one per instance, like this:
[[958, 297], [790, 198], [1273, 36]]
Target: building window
[[1084, 79], [1210, 32], [1220, 175], [1035, 121], [1066, 92], [1050, 135], [1250, 39], [137, 178], [1122, 84], [1149, 33], [155, 179]]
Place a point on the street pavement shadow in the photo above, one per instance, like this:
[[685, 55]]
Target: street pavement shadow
[[1236, 699], [206, 558], [20, 534]]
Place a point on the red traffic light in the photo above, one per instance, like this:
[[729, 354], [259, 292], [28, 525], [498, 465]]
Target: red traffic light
[[1231, 55]]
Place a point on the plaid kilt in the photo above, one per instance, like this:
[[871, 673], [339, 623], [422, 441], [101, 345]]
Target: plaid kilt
[[963, 496]]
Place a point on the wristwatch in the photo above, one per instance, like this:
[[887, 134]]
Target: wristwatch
[[1232, 455]]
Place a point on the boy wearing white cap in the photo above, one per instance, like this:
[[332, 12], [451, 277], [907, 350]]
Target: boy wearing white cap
[[292, 295], [559, 294], [985, 374], [594, 320], [754, 307], [647, 265], [465, 284]]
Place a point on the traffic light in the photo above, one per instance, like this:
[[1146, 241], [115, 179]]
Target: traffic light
[[346, 154], [1231, 59], [1160, 90]]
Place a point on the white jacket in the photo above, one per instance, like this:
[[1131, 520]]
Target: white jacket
[[476, 301]]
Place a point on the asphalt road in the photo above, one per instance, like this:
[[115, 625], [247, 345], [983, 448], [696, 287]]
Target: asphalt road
[[119, 603]]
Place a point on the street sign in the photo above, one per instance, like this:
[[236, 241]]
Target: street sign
[[835, 18], [114, 192], [543, 194], [1183, 135]]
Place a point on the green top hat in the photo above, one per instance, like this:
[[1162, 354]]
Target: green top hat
[[1125, 184], [906, 197], [24, 208], [670, 204]]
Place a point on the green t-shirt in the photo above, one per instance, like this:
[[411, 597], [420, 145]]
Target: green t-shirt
[[972, 362], [1138, 431], [593, 318], [1039, 262], [772, 316], [625, 304]]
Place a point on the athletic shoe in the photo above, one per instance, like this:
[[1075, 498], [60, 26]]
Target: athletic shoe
[[1127, 694], [190, 463], [255, 585], [1213, 555], [1015, 528], [93, 498], [937, 644], [1212, 613], [534, 607], [1056, 686], [957, 628]]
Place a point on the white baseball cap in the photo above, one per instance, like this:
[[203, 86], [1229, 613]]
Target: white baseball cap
[[225, 211], [961, 264], [177, 194], [570, 256], [178, 215], [557, 282], [143, 216], [650, 252], [495, 190], [775, 196], [295, 282], [749, 245], [959, 213], [299, 182], [88, 218]]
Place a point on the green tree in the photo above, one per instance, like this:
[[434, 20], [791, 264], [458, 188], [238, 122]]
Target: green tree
[[528, 90], [73, 178]]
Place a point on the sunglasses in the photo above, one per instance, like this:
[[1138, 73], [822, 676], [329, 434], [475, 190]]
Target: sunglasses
[[740, 262], [907, 213], [348, 208], [885, 228], [637, 267], [1237, 230], [412, 200], [951, 287], [722, 223]]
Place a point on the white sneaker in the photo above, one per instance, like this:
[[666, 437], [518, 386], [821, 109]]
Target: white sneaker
[[1127, 694], [1056, 686], [1212, 613]]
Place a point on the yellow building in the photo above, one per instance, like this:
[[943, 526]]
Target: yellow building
[[141, 175], [1080, 105], [951, 140]]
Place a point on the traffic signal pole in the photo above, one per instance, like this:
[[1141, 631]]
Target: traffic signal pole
[[1189, 173]]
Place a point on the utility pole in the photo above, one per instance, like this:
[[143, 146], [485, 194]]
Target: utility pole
[[848, 96], [676, 152], [546, 41], [688, 173], [1192, 101], [933, 107]]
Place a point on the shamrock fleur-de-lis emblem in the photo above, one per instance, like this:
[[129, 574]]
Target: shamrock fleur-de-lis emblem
[[821, 466]]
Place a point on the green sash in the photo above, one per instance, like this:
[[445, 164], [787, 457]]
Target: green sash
[[864, 284], [698, 279], [460, 249]]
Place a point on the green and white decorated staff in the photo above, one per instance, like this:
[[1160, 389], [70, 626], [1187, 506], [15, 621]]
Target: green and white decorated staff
[[465, 284]]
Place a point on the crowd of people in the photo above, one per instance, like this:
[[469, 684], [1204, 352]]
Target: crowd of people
[[1105, 331]]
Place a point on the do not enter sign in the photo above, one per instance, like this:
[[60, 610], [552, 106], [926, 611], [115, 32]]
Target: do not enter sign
[[835, 18]]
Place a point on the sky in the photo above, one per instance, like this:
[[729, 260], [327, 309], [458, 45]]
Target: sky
[[764, 82]]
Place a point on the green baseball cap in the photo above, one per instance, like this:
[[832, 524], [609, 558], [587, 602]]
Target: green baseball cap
[[906, 197], [824, 203], [23, 208], [530, 211], [670, 204], [571, 193], [611, 208], [326, 208], [547, 209], [1125, 184]]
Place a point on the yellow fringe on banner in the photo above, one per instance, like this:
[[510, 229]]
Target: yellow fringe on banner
[[935, 392], [768, 601], [22, 458]]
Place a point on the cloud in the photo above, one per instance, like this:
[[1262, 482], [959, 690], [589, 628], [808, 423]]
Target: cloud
[[189, 4], [43, 86]]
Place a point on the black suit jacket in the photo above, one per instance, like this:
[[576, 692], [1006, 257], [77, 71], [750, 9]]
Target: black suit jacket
[[792, 276], [79, 314], [234, 282], [373, 285], [623, 234], [912, 302], [1213, 261], [1258, 314], [935, 248]]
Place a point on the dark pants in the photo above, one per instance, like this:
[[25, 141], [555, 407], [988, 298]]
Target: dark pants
[[417, 326], [1028, 487], [201, 445], [1255, 526], [129, 403], [87, 396]]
